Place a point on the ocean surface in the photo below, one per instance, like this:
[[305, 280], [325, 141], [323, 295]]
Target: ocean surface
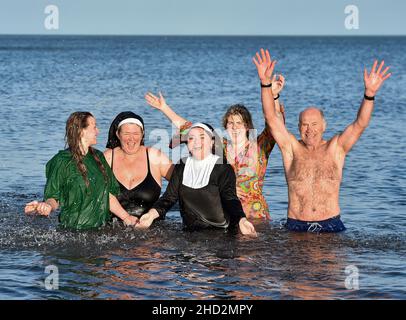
[[44, 79]]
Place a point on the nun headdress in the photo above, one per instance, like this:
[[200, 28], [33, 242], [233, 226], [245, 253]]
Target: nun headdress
[[182, 137], [123, 118]]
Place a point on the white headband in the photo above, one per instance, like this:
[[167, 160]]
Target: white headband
[[202, 126], [131, 120]]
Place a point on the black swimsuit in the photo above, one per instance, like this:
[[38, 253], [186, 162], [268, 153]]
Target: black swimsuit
[[141, 198]]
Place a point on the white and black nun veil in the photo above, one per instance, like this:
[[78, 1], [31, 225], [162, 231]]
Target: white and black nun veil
[[197, 173]]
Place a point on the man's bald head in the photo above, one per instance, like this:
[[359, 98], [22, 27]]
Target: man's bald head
[[312, 126], [311, 111]]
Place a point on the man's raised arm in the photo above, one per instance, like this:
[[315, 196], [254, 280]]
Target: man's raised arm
[[373, 82], [273, 117]]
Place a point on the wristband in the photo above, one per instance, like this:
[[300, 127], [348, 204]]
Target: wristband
[[266, 85], [369, 98], [277, 97]]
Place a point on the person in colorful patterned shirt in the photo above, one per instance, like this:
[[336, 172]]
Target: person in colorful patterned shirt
[[245, 151]]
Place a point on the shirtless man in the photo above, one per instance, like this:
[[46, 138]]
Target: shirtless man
[[314, 166]]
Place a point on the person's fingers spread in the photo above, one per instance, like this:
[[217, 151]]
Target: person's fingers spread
[[152, 96], [151, 102], [387, 76], [259, 58], [268, 57], [374, 66], [263, 56], [380, 67], [384, 71]]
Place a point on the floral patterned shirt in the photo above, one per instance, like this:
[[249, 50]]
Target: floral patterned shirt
[[250, 168]]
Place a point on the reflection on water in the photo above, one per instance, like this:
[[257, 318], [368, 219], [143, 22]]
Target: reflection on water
[[166, 262]]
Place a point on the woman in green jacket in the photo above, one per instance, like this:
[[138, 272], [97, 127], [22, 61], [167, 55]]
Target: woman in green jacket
[[80, 181]]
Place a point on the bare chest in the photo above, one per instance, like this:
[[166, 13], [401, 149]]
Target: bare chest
[[314, 167]]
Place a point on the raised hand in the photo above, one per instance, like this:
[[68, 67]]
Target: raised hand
[[156, 102], [265, 66], [374, 80], [278, 82]]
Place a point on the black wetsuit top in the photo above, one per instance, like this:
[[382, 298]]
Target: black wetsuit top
[[215, 205], [139, 199]]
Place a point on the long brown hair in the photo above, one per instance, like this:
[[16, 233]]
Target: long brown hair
[[76, 123]]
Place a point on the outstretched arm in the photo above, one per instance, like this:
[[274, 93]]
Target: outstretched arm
[[160, 104], [373, 82], [273, 117]]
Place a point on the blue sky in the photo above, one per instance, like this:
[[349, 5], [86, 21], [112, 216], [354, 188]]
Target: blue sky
[[204, 17]]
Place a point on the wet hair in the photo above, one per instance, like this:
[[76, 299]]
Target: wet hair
[[113, 141], [76, 123], [242, 111]]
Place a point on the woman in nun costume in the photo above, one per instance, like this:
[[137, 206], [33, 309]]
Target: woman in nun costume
[[205, 186]]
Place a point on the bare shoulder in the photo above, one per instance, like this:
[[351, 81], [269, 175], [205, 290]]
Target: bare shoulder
[[108, 154], [156, 154], [160, 162]]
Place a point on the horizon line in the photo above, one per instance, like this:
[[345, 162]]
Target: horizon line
[[201, 35]]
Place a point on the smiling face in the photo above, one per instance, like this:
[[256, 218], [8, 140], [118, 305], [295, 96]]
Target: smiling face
[[90, 133], [199, 143], [130, 136], [236, 128], [312, 126]]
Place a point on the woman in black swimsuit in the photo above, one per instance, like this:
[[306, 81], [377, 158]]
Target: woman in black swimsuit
[[205, 187], [137, 168]]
